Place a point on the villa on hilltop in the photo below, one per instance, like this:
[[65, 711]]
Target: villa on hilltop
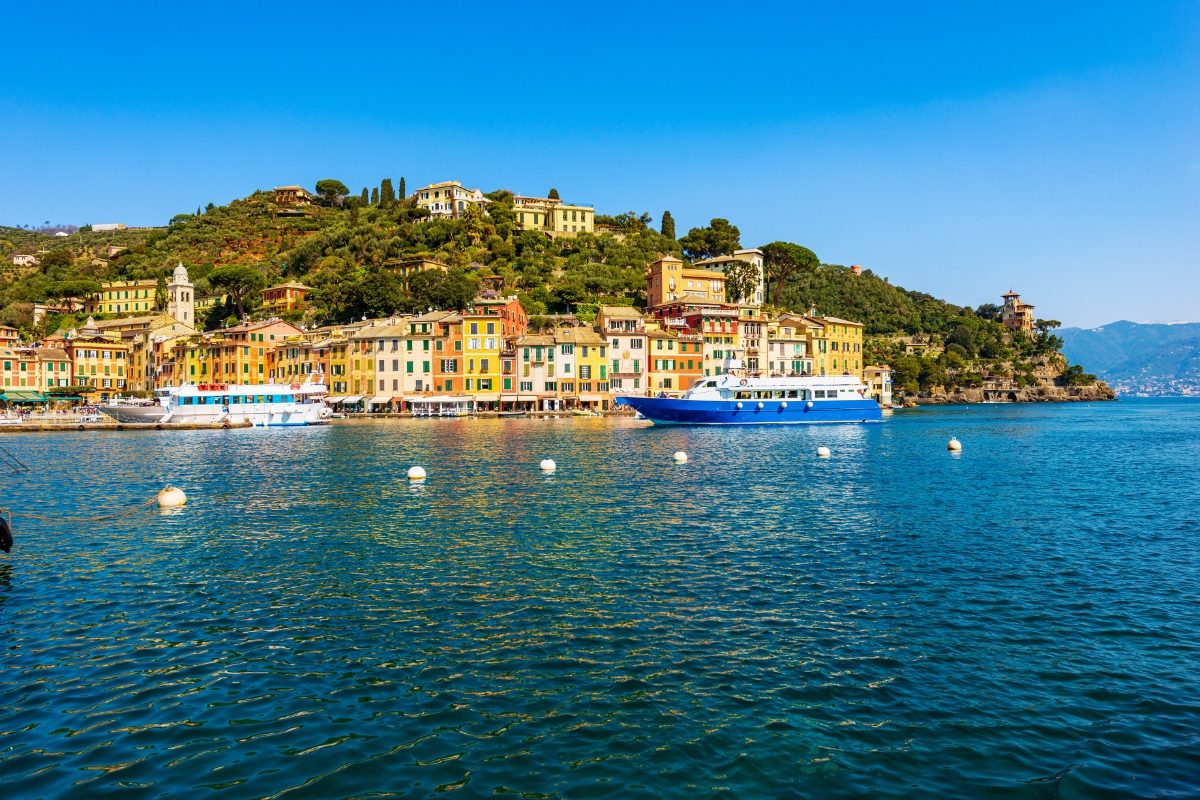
[[1016, 314]]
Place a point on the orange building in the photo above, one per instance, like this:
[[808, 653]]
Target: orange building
[[285, 296], [239, 354]]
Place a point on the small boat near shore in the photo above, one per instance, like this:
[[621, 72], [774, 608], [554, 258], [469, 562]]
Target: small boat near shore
[[732, 400]]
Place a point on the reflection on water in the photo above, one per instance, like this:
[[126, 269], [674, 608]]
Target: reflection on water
[[1018, 620]]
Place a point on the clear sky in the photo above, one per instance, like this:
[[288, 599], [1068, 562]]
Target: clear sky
[[961, 149]]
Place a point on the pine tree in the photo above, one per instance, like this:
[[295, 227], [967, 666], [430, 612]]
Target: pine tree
[[553, 194], [403, 191], [365, 196], [387, 195], [668, 225], [375, 196]]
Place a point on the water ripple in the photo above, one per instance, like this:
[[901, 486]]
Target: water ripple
[[1018, 621]]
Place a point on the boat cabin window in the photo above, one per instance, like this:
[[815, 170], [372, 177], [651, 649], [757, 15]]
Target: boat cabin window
[[793, 393], [818, 393], [742, 395]]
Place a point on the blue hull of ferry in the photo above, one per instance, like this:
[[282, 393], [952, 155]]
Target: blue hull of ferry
[[672, 411]]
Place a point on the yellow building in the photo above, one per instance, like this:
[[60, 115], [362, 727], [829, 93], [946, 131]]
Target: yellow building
[[670, 281], [99, 361], [835, 345], [407, 268], [553, 216], [482, 341], [123, 297], [284, 297], [582, 363], [754, 258]]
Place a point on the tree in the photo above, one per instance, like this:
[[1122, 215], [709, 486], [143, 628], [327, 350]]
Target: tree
[[240, 283], [718, 239], [403, 189], [1044, 326], [741, 280], [160, 294], [332, 190], [366, 198], [553, 195], [433, 288], [668, 225], [375, 196], [387, 194], [781, 259], [988, 311]]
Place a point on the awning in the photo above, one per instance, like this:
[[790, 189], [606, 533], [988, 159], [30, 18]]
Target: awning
[[333, 401], [380, 400], [17, 396], [518, 398], [351, 400], [487, 398]]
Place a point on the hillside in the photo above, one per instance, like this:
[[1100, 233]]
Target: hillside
[[342, 247], [1154, 359]]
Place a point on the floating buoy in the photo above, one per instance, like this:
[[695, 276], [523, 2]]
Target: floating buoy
[[171, 497], [954, 445], [548, 465], [680, 457], [808, 404], [416, 473], [760, 405], [739, 404], [823, 452], [783, 405]]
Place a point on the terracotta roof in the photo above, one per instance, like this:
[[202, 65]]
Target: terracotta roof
[[628, 312], [288, 285], [534, 340], [578, 336], [838, 321]]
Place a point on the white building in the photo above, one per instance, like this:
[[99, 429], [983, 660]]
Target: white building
[[753, 257], [181, 297], [448, 199]]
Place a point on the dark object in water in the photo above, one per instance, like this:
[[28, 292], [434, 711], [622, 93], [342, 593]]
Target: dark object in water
[[6, 540]]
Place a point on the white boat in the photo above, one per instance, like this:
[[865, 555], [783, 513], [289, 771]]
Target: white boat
[[128, 409], [265, 405]]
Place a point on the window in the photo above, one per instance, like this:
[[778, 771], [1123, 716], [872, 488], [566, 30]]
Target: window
[[408, 367], [568, 349], [483, 365], [473, 344], [491, 328], [526, 386], [474, 330]]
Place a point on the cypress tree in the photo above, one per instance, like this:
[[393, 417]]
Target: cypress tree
[[668, 225], [387, 195], [553, 194], [375, 196], [365, 196], [403, 191]]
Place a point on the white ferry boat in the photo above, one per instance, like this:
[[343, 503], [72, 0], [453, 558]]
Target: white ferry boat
[[267, 405]]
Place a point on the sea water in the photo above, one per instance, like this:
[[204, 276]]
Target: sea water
[[1018, 620]]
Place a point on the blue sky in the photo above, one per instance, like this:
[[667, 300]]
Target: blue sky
[[961, 149]]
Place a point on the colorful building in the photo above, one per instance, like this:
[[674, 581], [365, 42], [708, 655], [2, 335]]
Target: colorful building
[[753, 257], [285, 297], [625, 330], [670, 281]]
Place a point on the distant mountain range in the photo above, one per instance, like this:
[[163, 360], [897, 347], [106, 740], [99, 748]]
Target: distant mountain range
[[1139, 358]]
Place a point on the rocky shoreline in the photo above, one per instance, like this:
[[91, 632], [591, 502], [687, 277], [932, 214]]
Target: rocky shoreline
[[1098, 391]]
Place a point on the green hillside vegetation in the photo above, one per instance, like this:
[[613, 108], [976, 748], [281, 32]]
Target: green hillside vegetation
[[342, 245]]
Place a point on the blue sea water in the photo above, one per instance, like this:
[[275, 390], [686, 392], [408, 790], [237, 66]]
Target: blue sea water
[[1018, 621]]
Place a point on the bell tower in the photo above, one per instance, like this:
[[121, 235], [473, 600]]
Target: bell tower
[[181, 298]]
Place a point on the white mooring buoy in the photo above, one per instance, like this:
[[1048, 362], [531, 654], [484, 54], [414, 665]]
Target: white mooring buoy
[[548, 465], [171, 497], [954, 445], [823, 452], [680, 457], [416, 473]]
